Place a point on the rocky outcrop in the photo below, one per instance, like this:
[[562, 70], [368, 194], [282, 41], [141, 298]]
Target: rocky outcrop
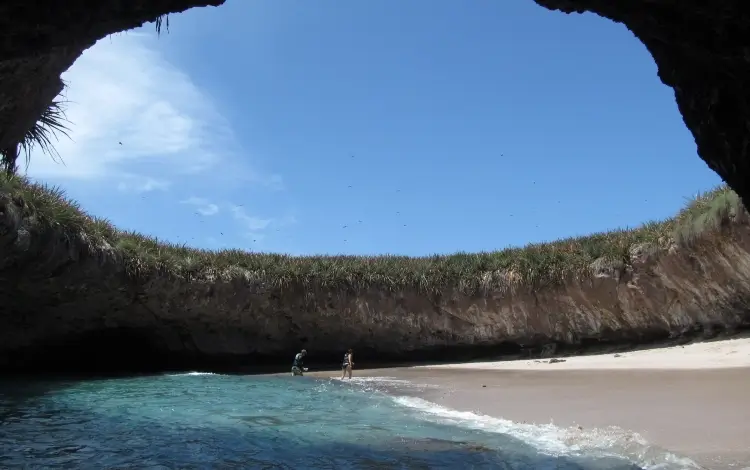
[[67, 303], [41, 40], [701, 49]]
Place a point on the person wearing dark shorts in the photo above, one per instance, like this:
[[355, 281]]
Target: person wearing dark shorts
[[298, 366], [346, 366]]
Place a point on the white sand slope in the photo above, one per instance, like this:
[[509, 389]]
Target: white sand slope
[[706, 355]]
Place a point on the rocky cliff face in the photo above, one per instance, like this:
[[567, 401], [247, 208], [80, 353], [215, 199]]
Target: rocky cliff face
[[65, 303], [68, 304], [700, 48]]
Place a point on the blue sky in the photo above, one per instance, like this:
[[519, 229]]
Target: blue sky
[[421, 127]]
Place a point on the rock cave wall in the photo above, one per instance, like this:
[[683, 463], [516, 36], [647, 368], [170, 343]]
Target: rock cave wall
[[39, 40], [65, 303], [69, 305], [702, 51]]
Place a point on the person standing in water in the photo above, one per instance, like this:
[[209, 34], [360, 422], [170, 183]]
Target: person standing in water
[[298, 366], [348, 363]]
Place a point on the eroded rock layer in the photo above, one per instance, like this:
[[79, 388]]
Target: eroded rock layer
[[66, 304], [69, 305]]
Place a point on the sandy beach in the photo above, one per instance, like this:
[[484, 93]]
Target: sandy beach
[[691, 400], [728, 353]]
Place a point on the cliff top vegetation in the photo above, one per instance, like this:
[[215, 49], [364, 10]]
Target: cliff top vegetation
[[535, 265]]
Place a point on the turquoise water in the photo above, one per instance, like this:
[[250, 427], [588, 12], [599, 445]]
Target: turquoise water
[[193, 421]]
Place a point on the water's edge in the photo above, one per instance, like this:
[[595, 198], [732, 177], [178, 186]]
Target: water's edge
[[549, 439], [281, 364], [235, 419]]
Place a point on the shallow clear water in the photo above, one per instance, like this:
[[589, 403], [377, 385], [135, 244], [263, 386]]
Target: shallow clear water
[[192, 421]]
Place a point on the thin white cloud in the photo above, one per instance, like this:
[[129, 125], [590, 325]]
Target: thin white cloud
[[202, 206], [133, 114], [251, 223], [285, 221], [255, 228], [136, 184]]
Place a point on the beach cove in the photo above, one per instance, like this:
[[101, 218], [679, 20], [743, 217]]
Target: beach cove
[[689, 400], [470, 415], [482, 199], [204, 319]]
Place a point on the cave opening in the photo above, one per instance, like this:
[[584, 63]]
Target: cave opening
[[110, 351], [133, 349]]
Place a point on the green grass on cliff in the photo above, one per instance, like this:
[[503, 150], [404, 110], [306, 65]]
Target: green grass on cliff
[[535, 265], [708, 212]]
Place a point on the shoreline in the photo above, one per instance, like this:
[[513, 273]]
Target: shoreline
[[691, 400], [720, 354], [699, 414]]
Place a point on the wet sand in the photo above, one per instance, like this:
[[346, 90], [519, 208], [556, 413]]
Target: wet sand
[[701, 414], [693, 400]]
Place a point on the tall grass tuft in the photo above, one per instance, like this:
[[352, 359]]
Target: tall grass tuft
[[536, 265], [51, 123]]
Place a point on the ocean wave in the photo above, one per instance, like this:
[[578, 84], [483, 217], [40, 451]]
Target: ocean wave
[[557, 441]]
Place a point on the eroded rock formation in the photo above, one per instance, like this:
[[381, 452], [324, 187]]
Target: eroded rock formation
[[67, 304], [40, 40]]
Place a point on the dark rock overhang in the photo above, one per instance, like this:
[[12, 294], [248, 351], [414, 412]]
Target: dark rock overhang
[[701, 48], [40, 39], [702, 51]]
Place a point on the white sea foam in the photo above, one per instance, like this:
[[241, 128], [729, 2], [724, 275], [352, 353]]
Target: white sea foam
[[557, 441], [383, 381], [390, 385], [187, 374]]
